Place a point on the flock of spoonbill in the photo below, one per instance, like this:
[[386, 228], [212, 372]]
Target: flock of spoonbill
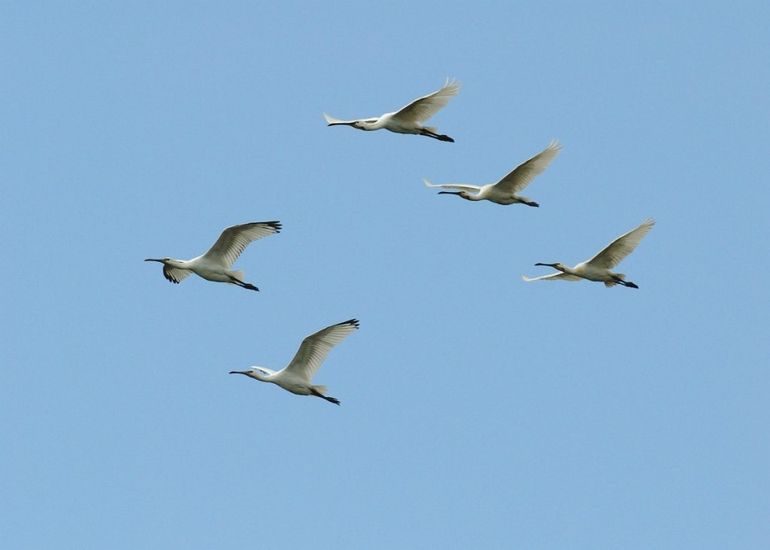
[[216, 264]]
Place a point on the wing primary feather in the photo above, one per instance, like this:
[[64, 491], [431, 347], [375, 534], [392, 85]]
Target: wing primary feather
[[614, 253], [234, 240], [521, 176], [314, 348]]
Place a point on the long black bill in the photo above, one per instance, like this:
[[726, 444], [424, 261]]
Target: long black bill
[[340, 124], [153, 260], [549, 265], [238, 372], [449, 192]]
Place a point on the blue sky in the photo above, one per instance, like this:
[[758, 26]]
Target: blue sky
[[478, 411]]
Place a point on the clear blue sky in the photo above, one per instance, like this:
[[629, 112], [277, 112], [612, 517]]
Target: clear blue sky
[[478, 411]]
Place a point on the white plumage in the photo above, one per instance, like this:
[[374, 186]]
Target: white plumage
[[506, 190], [408, 119], [215, 265], [297, 376], [599, 268]]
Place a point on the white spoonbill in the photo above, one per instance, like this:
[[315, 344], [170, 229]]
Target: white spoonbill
[[598, 268], [215, 264], [505, 191], [408, 119], [296, 376]]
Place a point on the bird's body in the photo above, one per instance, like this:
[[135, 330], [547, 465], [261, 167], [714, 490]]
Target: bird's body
[[297, 376], [408, 119], [506, 190], [215, 265], [599, 268]]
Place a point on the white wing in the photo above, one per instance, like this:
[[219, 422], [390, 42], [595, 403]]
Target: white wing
[[524, 173], [174, 274], [316, 347], [552, 277], [460, 186], [235, 239], [621, 247], [425, 107]]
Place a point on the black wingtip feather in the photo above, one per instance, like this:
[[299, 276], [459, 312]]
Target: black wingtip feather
[[168, 276], [353, 322]]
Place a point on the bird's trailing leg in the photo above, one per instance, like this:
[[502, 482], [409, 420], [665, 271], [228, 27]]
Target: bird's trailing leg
[[629, 284], [440, 137], [322, 396], [531, 203], [241, 284]]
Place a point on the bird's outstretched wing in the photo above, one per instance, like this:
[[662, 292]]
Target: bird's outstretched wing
[[425, 107], [621, 247], [552, 277], [235, 239], [459, 186], [174, 274], [524, 173], [316, 347]]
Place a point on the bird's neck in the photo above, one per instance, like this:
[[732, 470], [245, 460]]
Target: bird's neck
[[257, 375], [371, 124], [182, 264]]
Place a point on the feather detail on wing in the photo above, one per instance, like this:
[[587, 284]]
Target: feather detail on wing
[[552, 277], [314, 349], [459, 186], [175, 274], [523, 174], [423, 108], [621, 247], [235, 239]]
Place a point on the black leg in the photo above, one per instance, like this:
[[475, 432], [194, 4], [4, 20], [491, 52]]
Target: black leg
[[440, 137], [629, 284], [322, 396], [241, 284]]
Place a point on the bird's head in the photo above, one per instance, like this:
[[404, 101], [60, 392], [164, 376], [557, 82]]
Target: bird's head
[[365, 124], [462, 194], [258, 373], [557, 265]]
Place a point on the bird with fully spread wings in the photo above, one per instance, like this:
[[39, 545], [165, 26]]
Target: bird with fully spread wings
[[506, 190], [408, 119], [297, 376], [215, 265], [599, 268]]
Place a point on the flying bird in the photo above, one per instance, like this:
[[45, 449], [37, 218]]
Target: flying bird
[[216, 264], [408, 119], [599, 267], [296, 376], [505, 191]]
